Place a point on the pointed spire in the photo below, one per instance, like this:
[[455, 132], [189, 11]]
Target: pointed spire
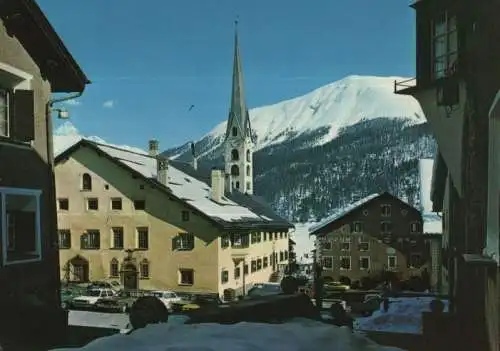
[[238, 114]]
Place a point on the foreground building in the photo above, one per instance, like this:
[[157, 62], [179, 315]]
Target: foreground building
[[158, 224], [377, 233], [457, 80], [34, 63]]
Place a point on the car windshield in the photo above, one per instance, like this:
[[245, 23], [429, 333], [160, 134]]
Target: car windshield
[[93, 293]]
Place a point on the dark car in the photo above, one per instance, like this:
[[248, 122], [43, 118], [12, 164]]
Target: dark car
[[264, 289], [196, 301], [120, 302]]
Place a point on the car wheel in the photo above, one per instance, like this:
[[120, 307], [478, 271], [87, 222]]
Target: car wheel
[[64, 306]]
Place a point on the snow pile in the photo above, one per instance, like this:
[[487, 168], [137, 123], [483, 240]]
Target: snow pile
[[335, 106], [404, 316], [298, 334]]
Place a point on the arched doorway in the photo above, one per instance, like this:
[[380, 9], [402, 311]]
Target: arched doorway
[[129, 276], [77, 270]]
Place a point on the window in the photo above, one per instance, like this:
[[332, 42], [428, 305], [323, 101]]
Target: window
[[142, 238], [253, 266], [415, 260], [345, 262], [282, 256], [235, 171], [114, 270], [63, 204], [186, 276], [237, 184], [327, 262], [259, 263], [235, 156], [385, 210], [249, 156], [415, 227], [117, 239], [357, 227], [185, 216], [237, 273], [116, 204], [224, 276], [144, 269], [248, 171], [64, 239], [240, 240], [92, 204], [391, 262], [265, 262], [445, 45], [248, 186], [4, 113], [345, 246], [326, 245], [245, 269], [386, 227], [184, 242], [86, 182], [286, 255], [91, 239], [21, 235], [234, 131], [364, 245], [281, 235], [256, 237], [364, 262], [224, 241], [139, 205]]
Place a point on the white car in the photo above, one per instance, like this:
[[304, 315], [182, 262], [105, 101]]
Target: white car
[[167, 297], [90, 298]]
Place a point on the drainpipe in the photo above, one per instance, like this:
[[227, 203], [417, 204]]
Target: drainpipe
[[52, 227]]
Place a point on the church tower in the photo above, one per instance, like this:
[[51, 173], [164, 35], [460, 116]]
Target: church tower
[[238, 143]]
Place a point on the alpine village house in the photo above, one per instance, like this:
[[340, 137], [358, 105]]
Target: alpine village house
[[374, 234], [457, 85], [34, 63], [153, 223]]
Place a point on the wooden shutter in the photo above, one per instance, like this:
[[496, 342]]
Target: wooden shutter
[[22, 115]]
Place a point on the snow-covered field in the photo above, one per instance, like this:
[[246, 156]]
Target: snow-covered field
[[296, 335], [404, 316]]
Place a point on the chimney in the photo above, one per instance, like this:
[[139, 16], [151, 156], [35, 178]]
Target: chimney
[[229, 183], [193, 153], [217, 185], [162, 169], [153, 148]]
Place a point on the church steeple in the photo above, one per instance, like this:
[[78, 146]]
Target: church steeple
[[238, 113], [238, 144]]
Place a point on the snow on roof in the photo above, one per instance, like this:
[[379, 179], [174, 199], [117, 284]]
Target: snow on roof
[[342, 212], [185, 187], [432, 223], [295, 335], [425, 168]]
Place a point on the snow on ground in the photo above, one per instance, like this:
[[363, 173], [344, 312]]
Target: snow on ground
[[303, 243], [404, 316], [296, 335]]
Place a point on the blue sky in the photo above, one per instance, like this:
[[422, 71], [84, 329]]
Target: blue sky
[[150, 60]]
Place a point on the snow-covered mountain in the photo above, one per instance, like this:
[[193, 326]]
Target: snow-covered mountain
[[330, 108]]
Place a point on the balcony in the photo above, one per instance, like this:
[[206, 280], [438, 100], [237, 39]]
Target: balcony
[[405, 87], [239, 252]]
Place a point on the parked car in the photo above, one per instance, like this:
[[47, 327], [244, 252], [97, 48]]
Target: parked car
[[200, 302], [103, 284], [264, 289], [67, 296], [121, 302], [90, 297], [167, 297], [335, 286]]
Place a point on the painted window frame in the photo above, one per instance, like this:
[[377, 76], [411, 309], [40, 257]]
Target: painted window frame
[[323, 263], [340, 263], [395, 262], [369, 263], [382, 212], [4, 191], [354, 229], [447, 34]]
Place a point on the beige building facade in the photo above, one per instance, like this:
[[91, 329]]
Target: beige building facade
[[119, 225]]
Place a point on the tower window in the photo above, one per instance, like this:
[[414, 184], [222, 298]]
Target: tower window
[[235, 156], [237, 185], [248, 170], [86, 182], [235, 131], [235, 170], [249, 156]]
